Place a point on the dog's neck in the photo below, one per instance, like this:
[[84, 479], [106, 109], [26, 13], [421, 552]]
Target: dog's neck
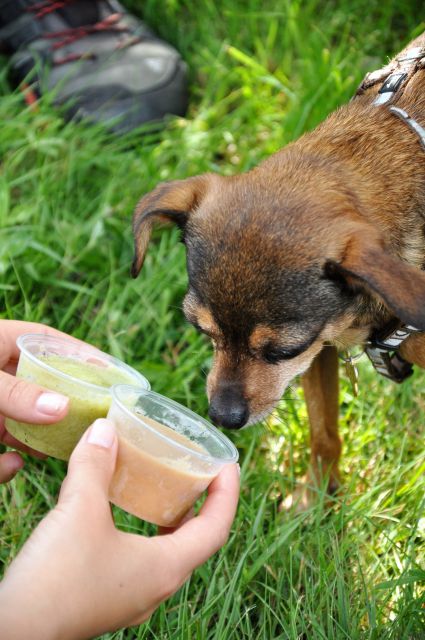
[[376, 163], [382, 162]]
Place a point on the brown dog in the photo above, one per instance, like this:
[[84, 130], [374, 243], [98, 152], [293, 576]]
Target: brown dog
[[318, 248]]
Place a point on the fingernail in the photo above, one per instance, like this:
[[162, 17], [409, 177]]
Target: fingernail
[[51, 404], [102, 433]]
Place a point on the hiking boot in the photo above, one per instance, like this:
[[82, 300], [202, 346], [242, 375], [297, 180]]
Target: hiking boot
[[102, 63]]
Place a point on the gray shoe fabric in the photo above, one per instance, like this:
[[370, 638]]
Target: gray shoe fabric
[[101, 62]]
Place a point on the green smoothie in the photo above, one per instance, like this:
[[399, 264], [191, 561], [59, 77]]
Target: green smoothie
[[86, 402]]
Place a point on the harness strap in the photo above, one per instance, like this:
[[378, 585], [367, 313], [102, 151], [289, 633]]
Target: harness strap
[[415, 126], [395, 75], [382, 348]]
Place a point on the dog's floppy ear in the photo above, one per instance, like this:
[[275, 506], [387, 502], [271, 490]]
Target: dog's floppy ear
[[366, 263], [168, 202]]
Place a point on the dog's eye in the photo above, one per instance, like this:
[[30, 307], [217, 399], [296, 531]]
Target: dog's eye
[[204, 331], [273, 356], [201, 329]]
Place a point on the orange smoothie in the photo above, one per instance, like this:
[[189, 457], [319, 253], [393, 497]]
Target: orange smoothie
[[154, 479]]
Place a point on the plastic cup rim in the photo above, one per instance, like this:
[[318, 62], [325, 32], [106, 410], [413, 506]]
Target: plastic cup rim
[[182, 409], [40, 337]]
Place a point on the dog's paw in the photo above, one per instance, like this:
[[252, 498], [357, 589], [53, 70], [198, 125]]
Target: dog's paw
[[307, 494], [300, 500]]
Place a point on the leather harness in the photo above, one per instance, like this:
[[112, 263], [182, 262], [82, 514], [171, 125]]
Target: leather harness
[[382, 347]]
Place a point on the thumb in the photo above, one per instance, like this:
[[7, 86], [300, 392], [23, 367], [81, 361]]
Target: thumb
[[92, 464], [27, 402]]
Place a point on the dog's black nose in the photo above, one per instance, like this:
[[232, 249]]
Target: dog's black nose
[[229, 409]]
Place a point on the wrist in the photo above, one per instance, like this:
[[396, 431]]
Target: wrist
[[26, 611]]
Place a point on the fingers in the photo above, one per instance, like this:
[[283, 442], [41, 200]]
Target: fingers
[[10, 463], [92, 465], [27, 402], [19, 399], [200, 537], [10, 330]]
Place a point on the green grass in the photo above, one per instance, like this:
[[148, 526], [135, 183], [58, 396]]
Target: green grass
[[261, 73]]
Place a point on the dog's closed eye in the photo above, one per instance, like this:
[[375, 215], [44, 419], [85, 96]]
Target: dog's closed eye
[[274, 345], [274, 355], [200, 317], [207, 331]]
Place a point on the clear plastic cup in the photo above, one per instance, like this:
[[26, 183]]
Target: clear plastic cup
[[79, 371], [167, 455]]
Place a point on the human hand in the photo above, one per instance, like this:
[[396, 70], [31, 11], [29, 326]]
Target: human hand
[[78, 576], [22, 400]]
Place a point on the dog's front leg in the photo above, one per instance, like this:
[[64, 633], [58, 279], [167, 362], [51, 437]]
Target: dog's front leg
[[320, 384]]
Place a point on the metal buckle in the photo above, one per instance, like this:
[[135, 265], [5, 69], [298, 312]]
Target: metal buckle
[[393, 83]]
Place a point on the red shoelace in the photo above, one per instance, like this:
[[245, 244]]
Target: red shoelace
[[68, 36]]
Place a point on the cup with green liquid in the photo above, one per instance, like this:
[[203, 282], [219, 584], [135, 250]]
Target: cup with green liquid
[[82, 373]]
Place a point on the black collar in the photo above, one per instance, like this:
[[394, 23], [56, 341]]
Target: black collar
[[382, 350]]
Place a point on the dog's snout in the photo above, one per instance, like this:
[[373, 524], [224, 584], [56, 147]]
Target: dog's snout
[[229, 409]]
